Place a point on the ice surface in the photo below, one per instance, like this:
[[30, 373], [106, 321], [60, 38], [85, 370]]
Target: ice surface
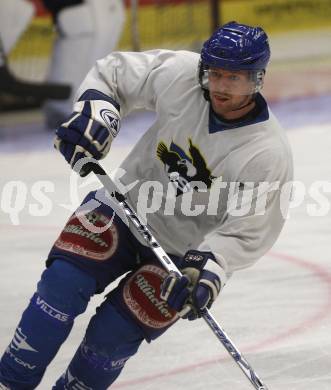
[[278, 312]]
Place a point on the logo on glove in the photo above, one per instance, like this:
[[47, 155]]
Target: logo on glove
[[111, 120]]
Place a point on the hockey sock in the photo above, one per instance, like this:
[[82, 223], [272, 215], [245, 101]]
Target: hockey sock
[[109, 342], [63, 292]]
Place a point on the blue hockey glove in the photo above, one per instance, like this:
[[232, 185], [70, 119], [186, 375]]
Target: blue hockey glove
[[90, 129], [197, 289]]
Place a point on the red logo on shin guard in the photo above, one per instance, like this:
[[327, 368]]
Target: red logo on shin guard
[[142, 296], [78, 239]]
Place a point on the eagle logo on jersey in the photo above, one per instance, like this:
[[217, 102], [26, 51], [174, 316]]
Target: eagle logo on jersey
[[184, 168]]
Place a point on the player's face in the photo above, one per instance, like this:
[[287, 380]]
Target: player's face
[[229, 90]]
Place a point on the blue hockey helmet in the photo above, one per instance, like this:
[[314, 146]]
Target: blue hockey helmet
[[237, 46]]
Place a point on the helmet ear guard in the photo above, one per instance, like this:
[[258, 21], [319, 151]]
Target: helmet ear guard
[[257, 76], [202, 79], [201, 75]]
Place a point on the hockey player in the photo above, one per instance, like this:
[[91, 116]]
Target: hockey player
[[15, 16], [212, 130], [88, 28]]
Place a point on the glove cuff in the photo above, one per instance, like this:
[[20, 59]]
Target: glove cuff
[[204, 261], [212, 277]]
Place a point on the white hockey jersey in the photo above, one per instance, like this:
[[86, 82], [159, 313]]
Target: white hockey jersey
[[199, 168]]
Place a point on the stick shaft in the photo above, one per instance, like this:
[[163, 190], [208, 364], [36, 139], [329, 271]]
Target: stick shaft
[[168, 264]]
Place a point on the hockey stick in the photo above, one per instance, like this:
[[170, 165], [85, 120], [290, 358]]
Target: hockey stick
[[167, 263]]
